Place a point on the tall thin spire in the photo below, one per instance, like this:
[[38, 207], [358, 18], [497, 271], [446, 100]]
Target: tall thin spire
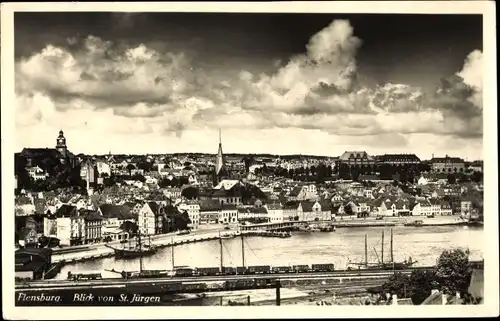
[[219, 162]]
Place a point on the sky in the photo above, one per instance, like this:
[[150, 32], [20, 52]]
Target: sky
[[317, 84]]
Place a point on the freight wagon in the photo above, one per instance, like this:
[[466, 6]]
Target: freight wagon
[[184, 272], [328, 267], [282, 269], [84, 276], [208, 271], [241, 270], [259, 269], [301, 268], [228, 270]]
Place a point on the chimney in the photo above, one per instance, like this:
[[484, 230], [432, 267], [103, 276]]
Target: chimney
[[443, 299], [394, 299]]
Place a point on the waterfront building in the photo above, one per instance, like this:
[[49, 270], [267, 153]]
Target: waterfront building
[[69, 225], [275, 212], [93, 226], [290, 210], [253, 214], [31, 263], [422, 207], [228, 214], [394, 206], [210, 211], [146, 221], [193, 210], [313, 211]]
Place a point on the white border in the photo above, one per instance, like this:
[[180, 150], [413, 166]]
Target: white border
[[491, 306]]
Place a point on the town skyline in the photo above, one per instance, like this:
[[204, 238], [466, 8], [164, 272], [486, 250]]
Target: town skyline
[[344, 82], [258, 154]]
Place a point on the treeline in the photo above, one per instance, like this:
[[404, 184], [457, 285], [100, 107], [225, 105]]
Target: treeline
[[451, 274], [60, 176]]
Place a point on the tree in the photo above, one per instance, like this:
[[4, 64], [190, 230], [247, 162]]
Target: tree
[[452, 274], [398, 284], [453, 271], [190, 193], [477, 177], [452, 178], [130, 167], [422, 282]]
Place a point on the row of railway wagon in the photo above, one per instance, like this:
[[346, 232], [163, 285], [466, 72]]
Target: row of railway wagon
[[256, 269]]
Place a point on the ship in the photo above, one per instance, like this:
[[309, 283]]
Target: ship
[[134, 251], [381, 265]]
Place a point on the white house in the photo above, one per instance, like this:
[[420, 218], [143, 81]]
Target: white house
[[394, 207], [103, 168], [228, 214], [422, 181], [146, 220], [422, 208], [275, 212], [435, 207], [37, 173], [193, 210]]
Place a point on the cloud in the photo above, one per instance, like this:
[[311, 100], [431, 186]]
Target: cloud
[[113, 87]]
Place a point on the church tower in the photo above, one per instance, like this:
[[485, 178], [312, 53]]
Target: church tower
[[220, 166], [61, 144]]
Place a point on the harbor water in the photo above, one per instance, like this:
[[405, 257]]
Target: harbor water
[[422, 244]]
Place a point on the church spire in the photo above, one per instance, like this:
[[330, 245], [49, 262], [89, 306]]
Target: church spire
[[220, 165]]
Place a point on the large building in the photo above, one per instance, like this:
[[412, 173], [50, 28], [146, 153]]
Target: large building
[[398, 159], [356, 158], [447, 164], [60, 153]]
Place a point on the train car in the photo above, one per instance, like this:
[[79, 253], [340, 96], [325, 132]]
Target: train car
[[282, 269], [241, 270], [301, 268], [184, 272], [84, 276], [229, 270], [326, 267], [208, 271], [259, 269]]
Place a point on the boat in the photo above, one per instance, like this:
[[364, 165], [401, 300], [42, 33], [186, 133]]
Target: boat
[[381, 265], [137, 250], [415, 223]]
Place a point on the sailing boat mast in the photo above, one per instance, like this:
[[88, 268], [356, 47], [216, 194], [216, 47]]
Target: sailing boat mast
[[243, 250], [392, 251], [172, 246], [366, 251], [140, 256], [221, 258], [382, 253]]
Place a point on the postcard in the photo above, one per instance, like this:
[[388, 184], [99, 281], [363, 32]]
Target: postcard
[[248, 160]]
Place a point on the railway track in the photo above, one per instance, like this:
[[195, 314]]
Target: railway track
[[118, 282]]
